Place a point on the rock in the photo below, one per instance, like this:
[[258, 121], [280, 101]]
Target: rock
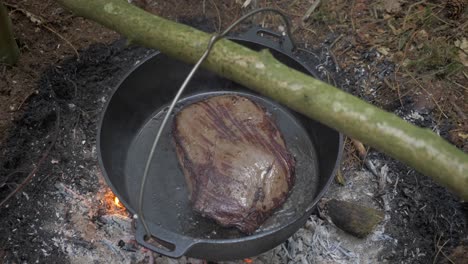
[[458, 255], [352, 218]]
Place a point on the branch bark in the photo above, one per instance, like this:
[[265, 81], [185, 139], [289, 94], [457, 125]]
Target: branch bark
[[9, 52], [259, 71]]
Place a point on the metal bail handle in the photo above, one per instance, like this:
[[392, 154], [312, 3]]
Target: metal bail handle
[[173, 247], [180, 249], [283, 43]]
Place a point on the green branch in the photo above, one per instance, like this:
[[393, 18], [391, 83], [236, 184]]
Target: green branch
[[259, 71]]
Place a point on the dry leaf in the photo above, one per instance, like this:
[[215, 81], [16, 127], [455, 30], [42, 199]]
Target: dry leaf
[[34, 18], [383, 50], [463, 52], [462, 44], [463, 135], [392, 6], [463, 58]]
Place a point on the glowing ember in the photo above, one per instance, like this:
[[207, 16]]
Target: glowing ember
[[247, 260]]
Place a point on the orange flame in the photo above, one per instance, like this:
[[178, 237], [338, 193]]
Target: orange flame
[[117, 202], [247, 260], [112, 203]]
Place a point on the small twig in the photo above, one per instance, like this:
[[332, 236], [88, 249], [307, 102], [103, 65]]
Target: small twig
[[439, 250], [372, 168], [345, 50], [311, 9], [430, 95], [398, 85], [441, 20], [388, 84], [25, 99], [293, 3], [219, 16], [339, 177], [6, 178], [459, 111], [446, 257], [42, 160], [459, 85], [408, 42], [332, 54], [335, 41], [335, 61], [81, 242], [309, 30], [111, 247], [286, 251], [64, 39], [409, 10], [353, 25]]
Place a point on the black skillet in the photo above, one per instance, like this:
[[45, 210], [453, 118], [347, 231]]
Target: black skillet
[[128, 126]]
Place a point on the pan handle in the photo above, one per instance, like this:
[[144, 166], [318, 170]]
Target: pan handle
[[277, 40], [166, 247]]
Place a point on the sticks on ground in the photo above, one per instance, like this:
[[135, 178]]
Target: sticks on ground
[[39, 163], [363, 155], [311, 9], [38, 21]]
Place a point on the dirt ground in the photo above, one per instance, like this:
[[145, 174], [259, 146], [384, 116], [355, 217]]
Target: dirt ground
[[408, 58]]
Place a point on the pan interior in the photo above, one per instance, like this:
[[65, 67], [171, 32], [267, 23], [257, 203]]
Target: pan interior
[[166, 196]]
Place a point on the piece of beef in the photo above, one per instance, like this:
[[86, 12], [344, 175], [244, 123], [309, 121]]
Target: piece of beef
[[235, 160]]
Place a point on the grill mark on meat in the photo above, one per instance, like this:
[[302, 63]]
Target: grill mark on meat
[[205, 139], [247, 135], [226, 183], [218, 121], [275, 149], [212, 124], [255, 138], [225, 113]]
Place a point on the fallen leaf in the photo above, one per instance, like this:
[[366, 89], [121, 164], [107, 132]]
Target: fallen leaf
[[463, 135], [36, 20], [463, 52], [463, 58], [392, 6], [462, 44], [383, 50]]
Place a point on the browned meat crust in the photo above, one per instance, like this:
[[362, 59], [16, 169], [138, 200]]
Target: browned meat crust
[[234, 159]]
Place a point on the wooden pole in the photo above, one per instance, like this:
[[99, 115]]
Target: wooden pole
[[418, 147]]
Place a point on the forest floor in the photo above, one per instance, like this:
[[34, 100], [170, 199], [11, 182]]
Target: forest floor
[[407, 58]]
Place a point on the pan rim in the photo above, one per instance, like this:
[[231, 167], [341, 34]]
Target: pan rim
[[195, 241]]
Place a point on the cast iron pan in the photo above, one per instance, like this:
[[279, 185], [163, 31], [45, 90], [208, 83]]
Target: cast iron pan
[[128, 127]]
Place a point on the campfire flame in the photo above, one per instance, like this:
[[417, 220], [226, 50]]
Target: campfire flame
[[112, 204], [117, 202], [248, 260]]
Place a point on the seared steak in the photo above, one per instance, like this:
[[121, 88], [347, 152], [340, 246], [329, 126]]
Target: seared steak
[[234, 159]]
